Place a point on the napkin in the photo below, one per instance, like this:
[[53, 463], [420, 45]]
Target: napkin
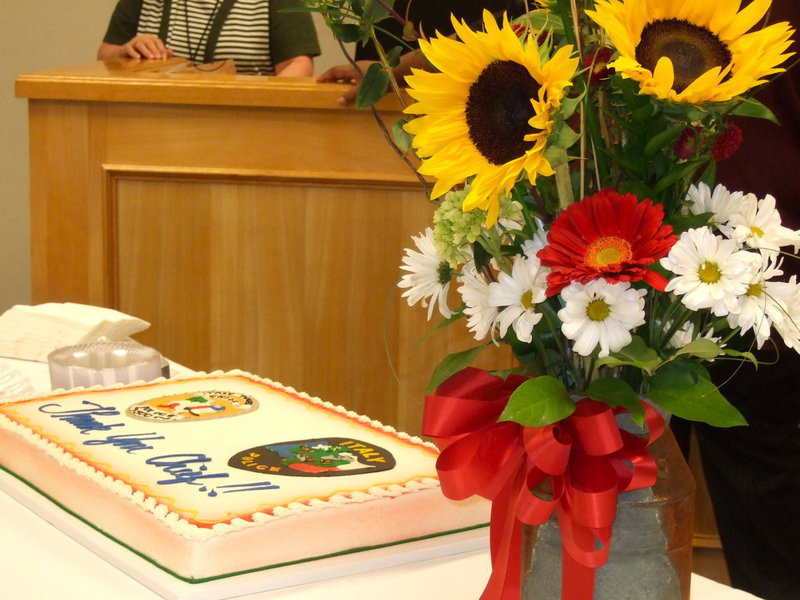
[[32, 332]]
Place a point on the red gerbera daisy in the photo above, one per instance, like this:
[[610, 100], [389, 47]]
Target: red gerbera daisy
[[609, 235]]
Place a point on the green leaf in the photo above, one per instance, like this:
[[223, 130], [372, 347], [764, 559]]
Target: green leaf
[[683, 388], [373, 87], [373, 12], [633, 164], [750, 107], [538, 402], [541, 20], [505, 373], [681, 223], [346, 32], [357, 6], [681, 111], [616, 392], [566, 136], [569, 106], [555, 155], [639, 188], [642, 114], [401, 137], [709, 176], [701, 348], [658, 142], [451, 365], [687, 169], [393, 56], [746, 355], [409, 33], [636, 354], [563, 10]]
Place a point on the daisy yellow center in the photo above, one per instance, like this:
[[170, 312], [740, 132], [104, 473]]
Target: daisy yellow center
[[498, 109], [527, 300], [757, 231], [755, 290], [709, 272], [608, 251], [598, 310], [692, 49]]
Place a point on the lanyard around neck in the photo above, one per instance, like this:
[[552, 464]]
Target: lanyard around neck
[[215, 27]]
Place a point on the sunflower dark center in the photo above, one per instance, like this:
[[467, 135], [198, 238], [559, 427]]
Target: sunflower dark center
[[692, 49], [498, 110]]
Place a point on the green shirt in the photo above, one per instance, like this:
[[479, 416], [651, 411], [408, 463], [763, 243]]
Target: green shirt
[[256, 34]]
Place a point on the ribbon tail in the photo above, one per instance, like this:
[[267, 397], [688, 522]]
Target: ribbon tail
[[577, 580], [505, 537]]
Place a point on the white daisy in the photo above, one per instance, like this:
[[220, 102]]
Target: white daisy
[[518, 294], [711, 272], [788, 326], [721, 203], [764, 303], [428, 277], [474, 290], [686, 334], [601, 313], [758, 225]]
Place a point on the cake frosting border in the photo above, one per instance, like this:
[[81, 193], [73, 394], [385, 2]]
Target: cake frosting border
[[201, 532]]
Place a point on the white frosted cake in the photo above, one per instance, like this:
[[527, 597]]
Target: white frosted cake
[[217, 474]]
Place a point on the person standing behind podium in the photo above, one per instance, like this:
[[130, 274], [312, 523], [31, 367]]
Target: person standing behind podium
[[255, 34]]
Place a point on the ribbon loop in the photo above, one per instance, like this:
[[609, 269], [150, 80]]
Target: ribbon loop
[[596, 427]]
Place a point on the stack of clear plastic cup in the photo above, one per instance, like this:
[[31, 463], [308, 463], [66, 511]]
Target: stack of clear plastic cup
[[102, 363]]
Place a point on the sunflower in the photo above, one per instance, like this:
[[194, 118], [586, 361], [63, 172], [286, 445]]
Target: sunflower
[[607, 235], [488, 112], [693, 51]]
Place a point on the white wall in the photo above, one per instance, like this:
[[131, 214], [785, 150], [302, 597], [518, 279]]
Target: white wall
[[40, 34]]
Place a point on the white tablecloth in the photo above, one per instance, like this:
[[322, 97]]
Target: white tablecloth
[[38, 561]]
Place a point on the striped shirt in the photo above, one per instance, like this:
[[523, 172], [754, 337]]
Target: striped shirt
[[244, 36]]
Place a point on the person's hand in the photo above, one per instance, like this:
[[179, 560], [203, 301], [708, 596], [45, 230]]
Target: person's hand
[[145, 45], [346, 74]]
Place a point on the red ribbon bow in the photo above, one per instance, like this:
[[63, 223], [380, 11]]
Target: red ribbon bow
[[587, 457]]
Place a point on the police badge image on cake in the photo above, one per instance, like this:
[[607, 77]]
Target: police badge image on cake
[[317, 457], [193, 406]]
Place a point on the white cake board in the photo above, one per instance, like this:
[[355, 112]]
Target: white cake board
[[171, 588]]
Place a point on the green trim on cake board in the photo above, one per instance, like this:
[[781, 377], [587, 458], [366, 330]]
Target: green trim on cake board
[[234, 574]]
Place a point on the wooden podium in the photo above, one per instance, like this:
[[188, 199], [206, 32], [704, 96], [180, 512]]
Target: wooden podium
[[254, 222]]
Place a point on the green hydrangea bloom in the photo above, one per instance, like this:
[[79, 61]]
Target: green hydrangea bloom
[[455, 231]]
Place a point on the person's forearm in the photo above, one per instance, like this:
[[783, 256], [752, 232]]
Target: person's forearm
[[298, 66], [108, 51]]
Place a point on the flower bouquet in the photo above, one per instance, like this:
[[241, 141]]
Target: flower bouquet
[[573, 156]]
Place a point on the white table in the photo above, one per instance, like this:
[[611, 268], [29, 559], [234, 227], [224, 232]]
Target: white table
[[39, 562]]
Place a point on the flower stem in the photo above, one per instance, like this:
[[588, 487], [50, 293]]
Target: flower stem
[[386, 133], [385, 63], [566, 196]]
